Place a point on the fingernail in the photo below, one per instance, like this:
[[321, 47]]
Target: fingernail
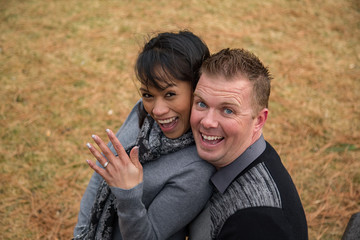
[[88, 145], [88, 161], [107, 130], [93, 136]]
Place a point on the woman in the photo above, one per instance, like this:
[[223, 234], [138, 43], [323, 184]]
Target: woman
[[159, 197]]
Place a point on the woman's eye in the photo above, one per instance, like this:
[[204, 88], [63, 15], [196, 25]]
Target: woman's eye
[[146, 95], [170, 94], [228, 111]]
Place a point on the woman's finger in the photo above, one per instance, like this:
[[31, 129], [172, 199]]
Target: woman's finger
[[96, 168], [134, 157], [101, 159], [109, 155], [117, 145]]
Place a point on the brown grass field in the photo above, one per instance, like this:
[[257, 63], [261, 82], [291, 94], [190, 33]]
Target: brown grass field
[[66, 72]]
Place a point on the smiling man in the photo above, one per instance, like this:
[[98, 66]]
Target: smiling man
[[254, 196]]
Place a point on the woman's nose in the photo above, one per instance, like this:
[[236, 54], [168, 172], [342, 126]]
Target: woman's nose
[[160, 108]]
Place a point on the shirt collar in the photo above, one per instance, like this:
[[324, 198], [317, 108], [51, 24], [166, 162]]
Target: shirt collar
[[224, 176]]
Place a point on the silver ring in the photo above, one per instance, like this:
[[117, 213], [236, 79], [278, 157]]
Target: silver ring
[[105, 165]]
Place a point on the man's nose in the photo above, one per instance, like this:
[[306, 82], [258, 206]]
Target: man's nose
[[210, 120]]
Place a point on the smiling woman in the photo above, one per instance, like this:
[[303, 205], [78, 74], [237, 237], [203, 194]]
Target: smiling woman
[[149, 168], [169, 106]]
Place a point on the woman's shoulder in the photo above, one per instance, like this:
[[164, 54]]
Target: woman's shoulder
[[133, 117], [129, 130], [182, 164], [186, 157]]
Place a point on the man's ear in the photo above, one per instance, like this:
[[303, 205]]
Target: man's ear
[[261, 119]]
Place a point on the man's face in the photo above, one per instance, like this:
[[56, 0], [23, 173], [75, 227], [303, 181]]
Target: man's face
[[221, 118]]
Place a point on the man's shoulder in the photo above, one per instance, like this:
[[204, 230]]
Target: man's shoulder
[[257, 223], [252, 189], [270, 151], [255, 187]]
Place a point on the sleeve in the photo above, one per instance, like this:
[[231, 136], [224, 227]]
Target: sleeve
[[126, 134], [174, 207], [257, 223], [87, 202]]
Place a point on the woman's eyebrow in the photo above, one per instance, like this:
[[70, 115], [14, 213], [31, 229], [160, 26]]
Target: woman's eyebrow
[[168, 85], [144, 89]]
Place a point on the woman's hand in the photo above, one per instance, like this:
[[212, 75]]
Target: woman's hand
[[119, 171]]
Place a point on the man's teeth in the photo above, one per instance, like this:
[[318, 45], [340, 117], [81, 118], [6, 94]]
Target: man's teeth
[[211, 138], [167, 120]]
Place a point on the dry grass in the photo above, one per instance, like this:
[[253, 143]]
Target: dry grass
[[65, 64]]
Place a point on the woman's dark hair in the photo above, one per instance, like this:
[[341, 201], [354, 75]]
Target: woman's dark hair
[[170, 56]]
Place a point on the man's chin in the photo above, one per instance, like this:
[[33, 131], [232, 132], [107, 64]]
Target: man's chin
[[207, 155]]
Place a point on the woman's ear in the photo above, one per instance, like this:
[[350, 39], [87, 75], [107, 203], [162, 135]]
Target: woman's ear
[[260, 119]]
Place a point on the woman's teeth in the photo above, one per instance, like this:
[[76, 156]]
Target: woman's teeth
[[167, 120]]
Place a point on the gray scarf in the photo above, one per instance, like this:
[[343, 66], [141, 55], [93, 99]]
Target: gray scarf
[[152, 144]]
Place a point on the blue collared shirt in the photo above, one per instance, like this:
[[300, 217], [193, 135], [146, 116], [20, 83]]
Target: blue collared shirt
[[226, 175]]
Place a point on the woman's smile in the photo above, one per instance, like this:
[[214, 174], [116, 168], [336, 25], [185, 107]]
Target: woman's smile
[[169, 106]]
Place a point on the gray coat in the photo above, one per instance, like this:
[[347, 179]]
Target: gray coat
[[174, 190]]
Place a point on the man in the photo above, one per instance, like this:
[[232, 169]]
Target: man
[[254, 196]]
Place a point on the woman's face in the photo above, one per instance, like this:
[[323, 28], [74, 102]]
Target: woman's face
[[169, 107]]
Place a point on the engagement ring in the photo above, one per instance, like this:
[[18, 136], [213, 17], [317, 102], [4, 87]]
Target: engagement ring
[[105, 165]]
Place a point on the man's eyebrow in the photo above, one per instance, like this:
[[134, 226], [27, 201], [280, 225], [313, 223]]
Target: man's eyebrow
[[225, 103], [229, 104], [196, 95]]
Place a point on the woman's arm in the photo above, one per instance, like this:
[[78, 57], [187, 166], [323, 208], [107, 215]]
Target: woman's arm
[[181, 199], [86, 203], [127, 135]]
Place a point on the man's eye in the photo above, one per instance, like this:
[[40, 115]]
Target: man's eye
[[201, 104], [228, 111]]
